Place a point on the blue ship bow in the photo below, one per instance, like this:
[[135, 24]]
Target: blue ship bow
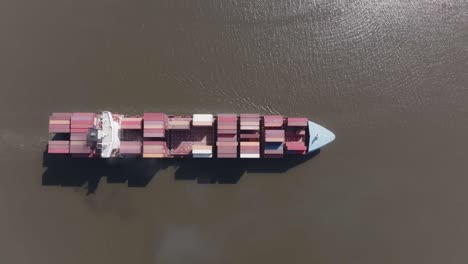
[[319, 137]]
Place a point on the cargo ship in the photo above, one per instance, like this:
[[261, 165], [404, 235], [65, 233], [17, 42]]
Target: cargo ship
[[157, 135]]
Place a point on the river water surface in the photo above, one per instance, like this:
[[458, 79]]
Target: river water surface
[[388, 77]]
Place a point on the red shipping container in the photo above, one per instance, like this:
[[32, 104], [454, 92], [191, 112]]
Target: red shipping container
[[273, 121], [81, 126], [250, 136], [59, 128], [79, 147], [230, 127], [226, 143], [249, 147], [227, 119], [301, 121], [59, 146], [227, 131], [82, 122], [78, 136], [153, 133], [227, 138], [226, 123], [155, 143], [154, 116], [131, 126], [296, 146], [227, 150], [59, 118], [130, 150], [59, 151], [79, 130], [152, 122], [274, 132], [130, 147]]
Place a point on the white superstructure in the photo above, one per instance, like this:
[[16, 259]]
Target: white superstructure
[[108, 135]]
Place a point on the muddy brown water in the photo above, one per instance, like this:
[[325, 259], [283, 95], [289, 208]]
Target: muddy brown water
[[388, 77]]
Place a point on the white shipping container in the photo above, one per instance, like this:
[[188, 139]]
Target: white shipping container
[[249, 156], [203, 117]]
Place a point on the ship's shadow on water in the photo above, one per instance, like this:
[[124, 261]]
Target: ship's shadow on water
[[63, 170]]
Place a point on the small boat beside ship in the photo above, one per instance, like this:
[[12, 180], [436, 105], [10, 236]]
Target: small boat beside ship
[[158, 135]]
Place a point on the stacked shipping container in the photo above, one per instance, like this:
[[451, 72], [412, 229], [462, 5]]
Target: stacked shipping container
[[80, 124], [297, 122], [59, 123], [131, 122], [227, 136], [295, 135], [130, 147], [202, 123], [250, 135], [179, 122], [131, 127], [59, 146], [154, 125], [274, 136], [154, 149]]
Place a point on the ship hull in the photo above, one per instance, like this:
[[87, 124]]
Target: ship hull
[[157, 135]]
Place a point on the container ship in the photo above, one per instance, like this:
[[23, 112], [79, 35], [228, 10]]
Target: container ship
[[157, 135]]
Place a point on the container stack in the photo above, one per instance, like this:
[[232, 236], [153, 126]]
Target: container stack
[[274, 136], [227, 136], [59, 123], [179, 122], [79, 147], [249, 149], [296, 147], [130, 147], [80, 124], [202, 151], [205, 120], [154, 149], [297, 122], [59, 146], [274, 143], [273, 121], [154, 125], [131, 123], [295, 135], [250, 135]]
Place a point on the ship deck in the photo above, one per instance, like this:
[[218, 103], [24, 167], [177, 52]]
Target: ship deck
[[157, 135], [182, 141]]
